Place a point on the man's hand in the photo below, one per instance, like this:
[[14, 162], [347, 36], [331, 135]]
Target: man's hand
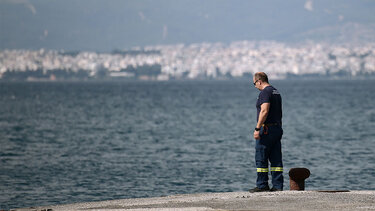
[[256, 135]]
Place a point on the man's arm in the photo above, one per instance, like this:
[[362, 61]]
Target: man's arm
[[264, 109]]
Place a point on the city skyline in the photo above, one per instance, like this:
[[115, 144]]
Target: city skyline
[[195, 61]]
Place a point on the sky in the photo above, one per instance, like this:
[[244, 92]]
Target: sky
[[106, 25]]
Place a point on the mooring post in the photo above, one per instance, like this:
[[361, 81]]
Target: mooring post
[[297, 178]]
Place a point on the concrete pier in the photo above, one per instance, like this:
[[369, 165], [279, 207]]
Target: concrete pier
[[285, 200]]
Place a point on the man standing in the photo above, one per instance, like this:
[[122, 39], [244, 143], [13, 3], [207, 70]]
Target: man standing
[[268, 133]]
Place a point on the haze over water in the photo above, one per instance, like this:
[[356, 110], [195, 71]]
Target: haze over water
[[71, 142]]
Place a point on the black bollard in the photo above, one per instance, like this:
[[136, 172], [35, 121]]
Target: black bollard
[[297, 178]]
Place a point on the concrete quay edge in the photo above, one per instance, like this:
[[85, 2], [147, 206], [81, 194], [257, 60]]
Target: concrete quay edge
[[284, 200]]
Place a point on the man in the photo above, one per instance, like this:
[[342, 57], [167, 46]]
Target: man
[[268, 133]]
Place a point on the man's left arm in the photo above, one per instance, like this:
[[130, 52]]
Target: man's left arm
[[264, 109]]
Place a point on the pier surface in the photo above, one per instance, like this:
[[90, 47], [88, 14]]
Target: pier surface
[[285, 200]]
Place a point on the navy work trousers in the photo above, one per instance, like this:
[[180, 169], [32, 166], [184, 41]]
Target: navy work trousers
[[268, 148]]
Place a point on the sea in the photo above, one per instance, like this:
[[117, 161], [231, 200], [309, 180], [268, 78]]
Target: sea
[[68, 142]]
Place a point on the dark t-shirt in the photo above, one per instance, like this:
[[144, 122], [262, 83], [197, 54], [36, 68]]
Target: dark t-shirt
[[272, 96]]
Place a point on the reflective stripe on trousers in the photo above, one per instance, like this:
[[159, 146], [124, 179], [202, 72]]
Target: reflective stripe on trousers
[[272, 169]]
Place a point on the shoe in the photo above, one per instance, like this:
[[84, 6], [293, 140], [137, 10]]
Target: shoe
[[256, 189], [275, 189]]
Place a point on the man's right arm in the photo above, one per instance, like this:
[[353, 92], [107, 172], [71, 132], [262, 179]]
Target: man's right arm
[[264, 110]]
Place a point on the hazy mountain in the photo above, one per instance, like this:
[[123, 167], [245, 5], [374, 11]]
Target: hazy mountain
[[341, 33], [116, 24]]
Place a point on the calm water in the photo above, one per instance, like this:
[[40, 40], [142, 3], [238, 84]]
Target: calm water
[[75, 142]]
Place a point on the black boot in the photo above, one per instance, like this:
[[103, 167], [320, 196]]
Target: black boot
[[275, 189], [256, 189]]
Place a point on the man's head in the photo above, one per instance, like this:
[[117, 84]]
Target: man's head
[[260, 80]]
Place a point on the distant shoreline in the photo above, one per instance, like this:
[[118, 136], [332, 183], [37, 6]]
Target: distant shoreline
[[298, 78]]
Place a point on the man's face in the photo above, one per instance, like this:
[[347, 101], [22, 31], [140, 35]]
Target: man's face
[[256, 83]]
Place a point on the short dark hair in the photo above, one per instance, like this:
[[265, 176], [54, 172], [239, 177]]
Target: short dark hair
[[261, 76]]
